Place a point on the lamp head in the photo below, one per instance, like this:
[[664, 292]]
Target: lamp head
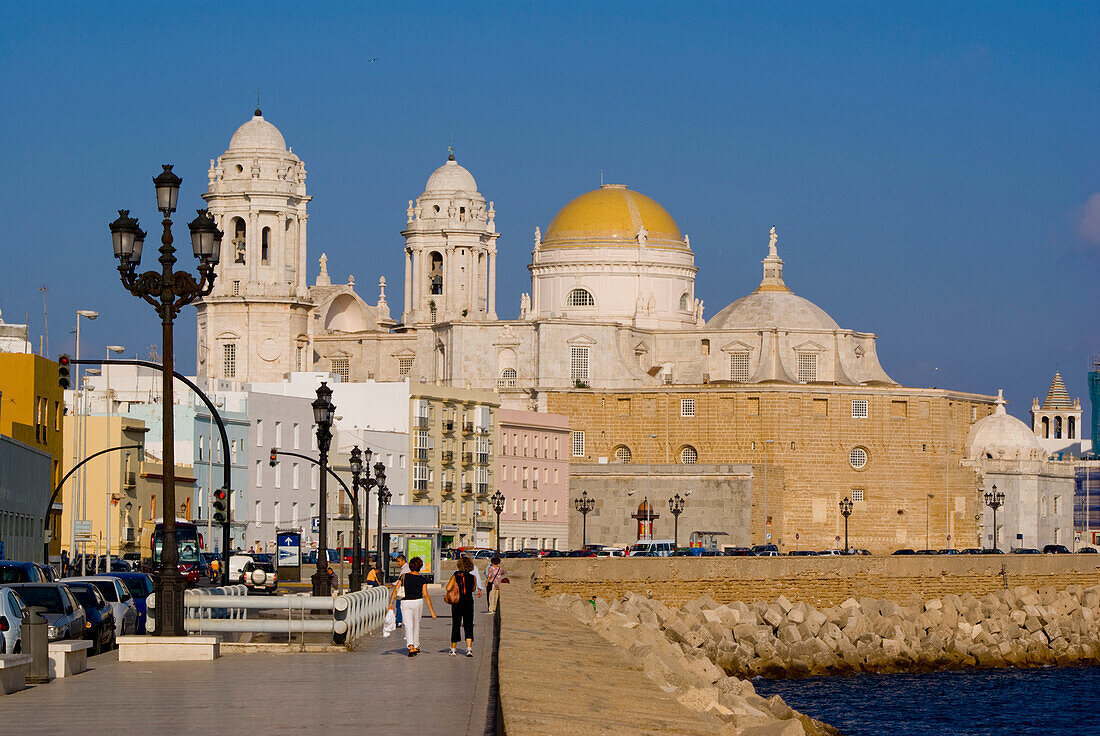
[[168, 189], [206, 238], [355, 461]]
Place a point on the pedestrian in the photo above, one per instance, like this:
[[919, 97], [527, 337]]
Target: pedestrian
[[333, 582], [374, 577], [494, 576], [64, 563], [404, 569], [460, 590], [477, 575], [412, 605]]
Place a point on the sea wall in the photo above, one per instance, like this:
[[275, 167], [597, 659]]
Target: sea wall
[[817, 581]]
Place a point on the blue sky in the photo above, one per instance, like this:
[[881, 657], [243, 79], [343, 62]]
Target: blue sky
[[932, 169]]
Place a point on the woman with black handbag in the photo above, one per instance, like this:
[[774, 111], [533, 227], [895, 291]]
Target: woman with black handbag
[[460, 596]]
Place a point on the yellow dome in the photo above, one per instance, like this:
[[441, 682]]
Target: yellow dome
[[613, 215]]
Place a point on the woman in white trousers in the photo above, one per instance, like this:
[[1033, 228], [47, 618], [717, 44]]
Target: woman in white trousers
[[412, 605]]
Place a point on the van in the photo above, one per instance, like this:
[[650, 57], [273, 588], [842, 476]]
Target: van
[[653, 548]]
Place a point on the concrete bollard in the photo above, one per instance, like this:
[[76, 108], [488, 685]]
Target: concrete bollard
[[36, 642]]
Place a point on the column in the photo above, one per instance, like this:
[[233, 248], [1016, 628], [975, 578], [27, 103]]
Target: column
[[253, 246], [492, 305], [302, 252], [407, 316], [475, 283], [449, 291], [281, 259]]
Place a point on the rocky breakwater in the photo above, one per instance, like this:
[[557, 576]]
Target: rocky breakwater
[[686, 670], [1016, 627]]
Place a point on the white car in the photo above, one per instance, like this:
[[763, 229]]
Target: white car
[[236, 566], [11, 621], [118, 595]]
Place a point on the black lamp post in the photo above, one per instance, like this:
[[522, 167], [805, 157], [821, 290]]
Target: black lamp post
[[994, 499], [355, 463], [497, 499], [384, 495], [322, 415], [676, 506], [168, 291], [846, 511], [584, 504]]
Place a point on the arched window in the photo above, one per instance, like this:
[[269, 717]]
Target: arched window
[[435, 273], [1057, 428], [622, 454], [580, 298], [240, 242], [265, 246], [684, 302], [507, 378], [1046, 428], [689, 455], [1071, 427]]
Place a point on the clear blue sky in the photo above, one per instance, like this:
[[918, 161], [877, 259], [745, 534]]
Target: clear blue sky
[[929, 167]]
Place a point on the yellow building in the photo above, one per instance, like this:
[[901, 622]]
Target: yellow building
[[31, 412], [117, 491]]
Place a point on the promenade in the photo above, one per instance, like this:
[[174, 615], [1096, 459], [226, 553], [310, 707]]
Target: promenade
[[377, 689]]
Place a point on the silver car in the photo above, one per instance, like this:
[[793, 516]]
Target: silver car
[[62, 612], [118, 595], [11, 622]]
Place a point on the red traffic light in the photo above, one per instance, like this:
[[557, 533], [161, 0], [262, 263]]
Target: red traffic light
[[63, 364], [219, 494]]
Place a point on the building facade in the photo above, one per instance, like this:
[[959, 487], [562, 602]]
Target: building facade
[[533, 476], [24, 494]]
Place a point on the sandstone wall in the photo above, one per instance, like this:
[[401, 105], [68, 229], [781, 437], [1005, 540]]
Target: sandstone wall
[[820, 581]]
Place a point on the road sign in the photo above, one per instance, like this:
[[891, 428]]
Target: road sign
[[83, 526], [315, 524], [838, 537]]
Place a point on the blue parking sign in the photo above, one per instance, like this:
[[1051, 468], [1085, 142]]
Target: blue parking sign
[[315, 524]]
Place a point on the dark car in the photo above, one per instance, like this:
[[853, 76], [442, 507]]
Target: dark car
[[904, 552], [1087, 551], [516, 554], [803, 553], [970, 551], [140, 586], [581, 553], [1055, 549], [551, 553], [99, 625], [1025, 551], [12, 571], [951, 551], [62, 612], [736, 552], [927, 552], [993, 551], [687, 552]]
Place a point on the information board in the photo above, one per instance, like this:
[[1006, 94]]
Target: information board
[[420, 547], [289, 549]]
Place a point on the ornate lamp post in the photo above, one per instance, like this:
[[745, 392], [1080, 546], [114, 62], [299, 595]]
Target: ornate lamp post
[[994, 499], [322, 415], [355, 463], [584, 504], [497, 499], [384, 495], [846, 511], [676, 506], [168, 291]]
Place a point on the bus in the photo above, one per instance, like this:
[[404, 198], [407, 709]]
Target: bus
[[188, 542]]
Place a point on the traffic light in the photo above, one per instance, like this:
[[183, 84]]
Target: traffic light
[[63, 363], [274, 457], [221, 506]]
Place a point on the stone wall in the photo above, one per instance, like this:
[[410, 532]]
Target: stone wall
[[819, 581]]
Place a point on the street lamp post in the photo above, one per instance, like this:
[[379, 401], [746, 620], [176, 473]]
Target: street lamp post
[[355, 463], [676, 506], [584, 504], [322, 416], [767, 537], [497, 499], [168, 291], [111, 516], [384, 496], [846, 511], [994, 499], [78, 429]]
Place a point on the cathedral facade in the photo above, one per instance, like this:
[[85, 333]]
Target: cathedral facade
[[612, 302]]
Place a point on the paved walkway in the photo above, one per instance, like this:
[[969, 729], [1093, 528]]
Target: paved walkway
[[376, 689]]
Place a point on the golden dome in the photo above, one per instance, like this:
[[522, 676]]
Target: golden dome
[[613, 215]]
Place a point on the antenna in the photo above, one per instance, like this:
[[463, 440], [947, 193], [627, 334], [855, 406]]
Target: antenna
[[601, 177], [46, 322]]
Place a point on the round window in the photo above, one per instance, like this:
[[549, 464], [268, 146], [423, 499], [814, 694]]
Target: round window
[[622, 454], [857, 457], [688, 455]]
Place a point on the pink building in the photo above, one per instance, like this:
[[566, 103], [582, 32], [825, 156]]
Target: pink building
[[533, 474]]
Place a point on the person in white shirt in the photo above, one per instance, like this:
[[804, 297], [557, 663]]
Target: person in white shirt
[[477, 576]]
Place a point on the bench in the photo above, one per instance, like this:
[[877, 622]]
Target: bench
[[167, 648], [13, 672], [69, 657]]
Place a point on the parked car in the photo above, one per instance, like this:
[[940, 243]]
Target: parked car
[[904, 552], [1055, 549], [764, 550], [803, 553], [1025, 551], [830, 553], [62, 612], [259, 576], [268, 557], [13, 571], [11, 621], [118, 595], [951, 551], [140, 586], [993, 551], [1087, 551], [581, 553], [736, 552], [970, 551], [927, 552], [100, 625], [611, 552], [550, 553], [687, 552], [655, 548], [516, 554]]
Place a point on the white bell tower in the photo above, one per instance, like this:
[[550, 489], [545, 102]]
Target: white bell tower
[[254, 325]]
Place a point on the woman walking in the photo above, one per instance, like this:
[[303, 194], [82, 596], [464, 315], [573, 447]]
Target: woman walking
[[412, 605], [460, 594], [494, 576]]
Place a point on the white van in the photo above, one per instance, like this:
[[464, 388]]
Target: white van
[[653, 548]]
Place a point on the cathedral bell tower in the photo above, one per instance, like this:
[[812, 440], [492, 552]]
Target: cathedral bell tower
[[254, 325], [450, 251]]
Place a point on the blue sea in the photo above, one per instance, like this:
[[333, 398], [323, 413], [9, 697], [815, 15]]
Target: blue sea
[[1050, 701]]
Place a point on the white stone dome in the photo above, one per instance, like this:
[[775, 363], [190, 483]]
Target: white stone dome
[[257, 133], [772, 309], [1001, 436], [450, 177]]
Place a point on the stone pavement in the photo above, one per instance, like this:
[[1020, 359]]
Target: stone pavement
[[376, 689]]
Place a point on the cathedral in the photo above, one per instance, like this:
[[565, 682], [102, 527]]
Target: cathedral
[[612, 302]]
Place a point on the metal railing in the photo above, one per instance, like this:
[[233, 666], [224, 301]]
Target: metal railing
[[225, 610]]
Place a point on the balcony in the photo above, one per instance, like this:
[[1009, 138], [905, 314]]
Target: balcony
[[468, 427], [421, 454], [483, 458], [483, 431], [448, 486], [129, 479], [448, 425], [420, 485], [482, 489], [467, 488], [467, 458], [448, 457], [420, 422]]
